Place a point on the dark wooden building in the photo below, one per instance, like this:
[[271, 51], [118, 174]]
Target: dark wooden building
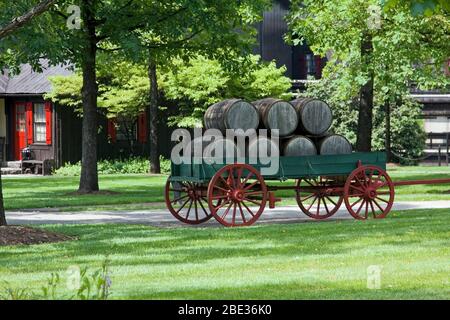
[[299, 61], [53, 132]]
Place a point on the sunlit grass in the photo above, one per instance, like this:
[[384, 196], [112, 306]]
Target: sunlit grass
[[295, 261]]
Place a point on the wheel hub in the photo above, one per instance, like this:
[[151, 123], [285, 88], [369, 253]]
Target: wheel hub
[[237, 195], [370, 193]]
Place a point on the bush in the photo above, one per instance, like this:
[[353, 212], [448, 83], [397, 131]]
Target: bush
[[134, 165]]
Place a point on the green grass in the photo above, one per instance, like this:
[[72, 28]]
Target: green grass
[[137, 191], [297, 261]]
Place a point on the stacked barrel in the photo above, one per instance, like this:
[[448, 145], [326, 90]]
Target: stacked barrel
[[303, 124]]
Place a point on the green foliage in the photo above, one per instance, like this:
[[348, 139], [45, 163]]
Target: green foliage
[[193, 85], [407, 133], [406, 49], [133, 165], [426, 7], [202, 82], [92, 286]]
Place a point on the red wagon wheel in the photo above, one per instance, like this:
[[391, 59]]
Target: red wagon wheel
[[319, 203], [372, 191], [187, 202], [242, 194]]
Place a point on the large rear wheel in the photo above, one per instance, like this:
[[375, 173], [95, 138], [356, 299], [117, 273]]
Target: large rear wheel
[[237, 195]]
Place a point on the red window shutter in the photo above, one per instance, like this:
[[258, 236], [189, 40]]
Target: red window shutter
[[112, 134], [48, 122], [142, 128], [318, 66], [29, 125]]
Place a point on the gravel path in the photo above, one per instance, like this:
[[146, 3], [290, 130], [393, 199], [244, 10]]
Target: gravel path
[[162, 218]]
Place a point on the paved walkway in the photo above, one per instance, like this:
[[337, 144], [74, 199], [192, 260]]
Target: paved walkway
[[162, 218]]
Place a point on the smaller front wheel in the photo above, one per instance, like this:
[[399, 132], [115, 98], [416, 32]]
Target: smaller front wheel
[[186, 201], [369, 190], [237, 195], [315, 198]]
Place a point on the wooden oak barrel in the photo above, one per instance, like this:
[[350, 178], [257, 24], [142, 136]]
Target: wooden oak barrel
[[277, 114], [334, 144], [262, 146], [299, 146], [213, 147], [314, 116], [231, 114]]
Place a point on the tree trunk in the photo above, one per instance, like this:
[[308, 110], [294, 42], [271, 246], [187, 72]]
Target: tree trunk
[[388, 142], [89, 175], [153, 118], [364, 138], [2, 207]]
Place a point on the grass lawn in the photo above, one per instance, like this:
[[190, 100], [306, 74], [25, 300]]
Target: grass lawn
[[295, 261], [137, 191]]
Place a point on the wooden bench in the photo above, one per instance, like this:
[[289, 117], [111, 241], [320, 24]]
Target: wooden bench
[[35, 166]]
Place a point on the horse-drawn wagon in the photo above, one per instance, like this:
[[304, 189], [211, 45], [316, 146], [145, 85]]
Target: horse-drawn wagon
[[236, 194]]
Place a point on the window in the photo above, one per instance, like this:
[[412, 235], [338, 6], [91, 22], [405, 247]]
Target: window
[[40, 129], [126, 130]]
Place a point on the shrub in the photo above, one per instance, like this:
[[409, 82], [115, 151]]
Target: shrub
[[133, 165]]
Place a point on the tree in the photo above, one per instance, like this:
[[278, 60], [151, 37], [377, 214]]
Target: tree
[[215, 28], [201, 82], [378, 51]]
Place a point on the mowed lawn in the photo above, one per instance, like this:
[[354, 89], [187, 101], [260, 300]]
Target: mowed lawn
[[297, 261], [139, 191]]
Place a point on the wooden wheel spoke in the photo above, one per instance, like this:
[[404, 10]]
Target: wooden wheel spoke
[[239, 176], [189, 210], [242, 213], [227, 210], [183, 205], [219, 197], [326, 206], [360, 207], [308, 197], [331, 200], [178, 199], [318, 206], [251, 185], [372, 207], [222, 189], [247, 178], [252, 201], [381, 199], [196, 208], [219, 206], [378, 205], [314, 201], [366, 214], [356, 188], [254, 193], [233, 219], [248, 209], [356, 202], [203, 208]]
